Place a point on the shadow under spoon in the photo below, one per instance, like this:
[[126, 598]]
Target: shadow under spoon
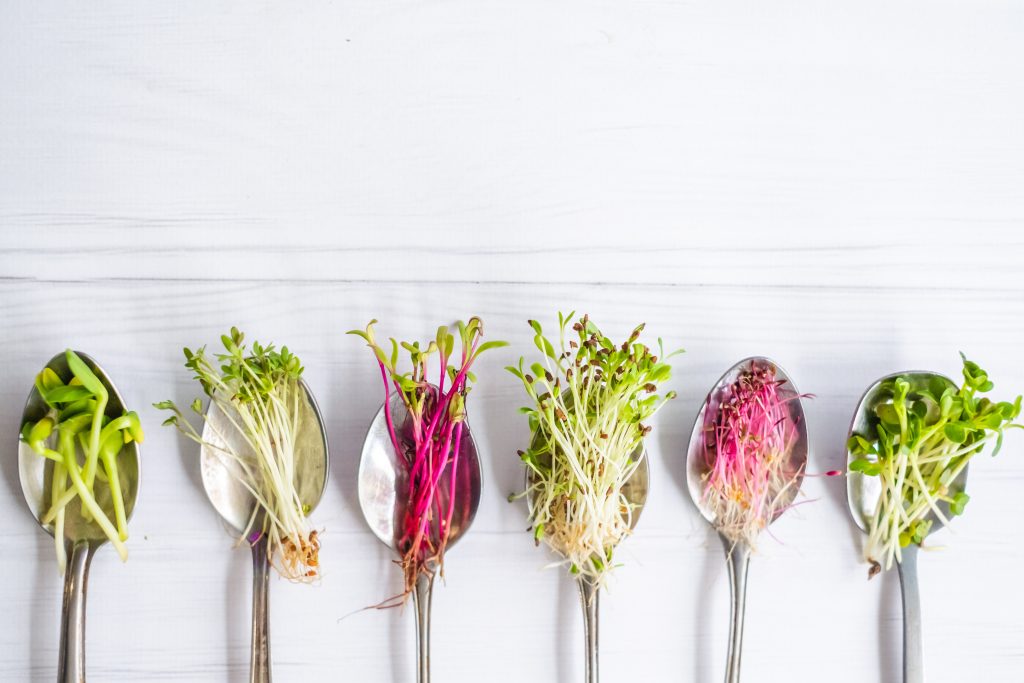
[[738, 554], [236, 504], [383, 496], [863, 492], [81, 537]]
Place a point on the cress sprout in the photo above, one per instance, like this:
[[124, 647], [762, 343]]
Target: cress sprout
[[260, 393], [590, 399]]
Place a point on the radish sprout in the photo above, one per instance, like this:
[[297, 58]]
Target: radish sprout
[[749, 435], [78, 419], [919, 440], [261, 395], [590, 398], [428, 441]]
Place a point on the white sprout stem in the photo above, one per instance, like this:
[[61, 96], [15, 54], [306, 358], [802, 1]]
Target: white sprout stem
[[59, 482], [904, 503], [268, 425]]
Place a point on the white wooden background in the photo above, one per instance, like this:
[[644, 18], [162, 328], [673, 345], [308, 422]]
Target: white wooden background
[[838, 185]]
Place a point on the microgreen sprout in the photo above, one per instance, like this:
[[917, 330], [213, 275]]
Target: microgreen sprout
[[429, 439], [590, 399], [920, 437], [84, 443], [260, 393], [749, 435]]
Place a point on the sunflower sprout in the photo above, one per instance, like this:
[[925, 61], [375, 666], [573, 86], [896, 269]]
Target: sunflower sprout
[[84, 443]]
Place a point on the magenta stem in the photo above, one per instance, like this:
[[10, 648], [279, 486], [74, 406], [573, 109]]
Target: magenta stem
[[436, 444]]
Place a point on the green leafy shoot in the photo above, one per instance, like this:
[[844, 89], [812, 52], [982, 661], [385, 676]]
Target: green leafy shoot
[[921, 436], [259, 391]]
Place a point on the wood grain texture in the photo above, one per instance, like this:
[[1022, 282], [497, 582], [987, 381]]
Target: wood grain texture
[[836, 186]]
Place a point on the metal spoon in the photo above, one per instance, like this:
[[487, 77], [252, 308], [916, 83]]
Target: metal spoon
[[862, 494], [81, 538], [635, 491], [738, 554], [235, 504], [382, 497]]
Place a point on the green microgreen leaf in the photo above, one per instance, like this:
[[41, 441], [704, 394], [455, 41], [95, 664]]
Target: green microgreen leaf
[[921, 434]]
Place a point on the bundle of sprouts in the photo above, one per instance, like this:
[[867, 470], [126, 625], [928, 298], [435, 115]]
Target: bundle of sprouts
[[749, 435], [84, 443], [260, 394], [428, 441], [920, 438], [590, 401]]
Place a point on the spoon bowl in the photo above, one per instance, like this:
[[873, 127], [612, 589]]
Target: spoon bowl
[[697, 466], [220, 473], [697, 458], [383, 479], [36, 472], [238, 507], [638, 486], [82, 537], [862, 492]]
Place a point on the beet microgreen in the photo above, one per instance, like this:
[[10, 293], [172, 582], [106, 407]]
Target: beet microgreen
[[749, 436], [590, 399], [919, 440], [76, 424], [428, 440], [260, 393]]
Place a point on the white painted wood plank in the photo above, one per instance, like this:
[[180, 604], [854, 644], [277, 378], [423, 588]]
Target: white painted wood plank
[[695, 143], [930, 259]]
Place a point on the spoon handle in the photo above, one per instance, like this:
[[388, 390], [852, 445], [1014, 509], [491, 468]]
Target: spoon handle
[[913, 653], [737, 558], [589, 594], [421, 597], [259, 662], [71, 668]]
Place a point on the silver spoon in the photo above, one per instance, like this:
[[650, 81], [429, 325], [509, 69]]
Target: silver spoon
[[635, 491], [862, 494], [235, 504], [738, 554], [81, 538], [382, 482]]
